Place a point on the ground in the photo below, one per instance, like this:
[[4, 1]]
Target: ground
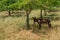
[[13, 28]]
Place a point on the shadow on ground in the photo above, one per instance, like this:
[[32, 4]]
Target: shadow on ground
[[10, 16]]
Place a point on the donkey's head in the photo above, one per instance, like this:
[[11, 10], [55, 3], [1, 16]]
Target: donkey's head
[[35, 19]]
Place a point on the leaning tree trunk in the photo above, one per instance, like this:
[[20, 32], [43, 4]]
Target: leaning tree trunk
[[45, 12], [27, 20]]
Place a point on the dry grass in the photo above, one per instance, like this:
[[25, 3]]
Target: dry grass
[[11, 28]]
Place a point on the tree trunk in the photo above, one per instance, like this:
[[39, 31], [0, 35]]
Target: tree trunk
[[45, 12], [41, 18], [27, 20], [41, 14]]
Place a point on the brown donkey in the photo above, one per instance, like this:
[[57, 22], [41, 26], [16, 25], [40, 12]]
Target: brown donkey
[[42, 21]]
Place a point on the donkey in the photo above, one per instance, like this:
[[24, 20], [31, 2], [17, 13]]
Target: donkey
[[42, 21]]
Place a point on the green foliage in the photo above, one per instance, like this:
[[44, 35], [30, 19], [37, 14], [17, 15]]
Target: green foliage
[[11, 4], [28, 4], [17, 5], [48, 4]]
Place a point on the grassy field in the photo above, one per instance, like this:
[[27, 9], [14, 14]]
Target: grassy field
[[13, 28]]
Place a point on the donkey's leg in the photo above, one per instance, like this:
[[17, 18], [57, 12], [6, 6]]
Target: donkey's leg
[[34, 23], [49, 24], [39, 25]]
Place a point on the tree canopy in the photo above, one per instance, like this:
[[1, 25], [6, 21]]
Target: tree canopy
[[27, 4]]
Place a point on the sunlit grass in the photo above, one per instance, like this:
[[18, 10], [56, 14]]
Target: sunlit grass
[[11, 28]]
